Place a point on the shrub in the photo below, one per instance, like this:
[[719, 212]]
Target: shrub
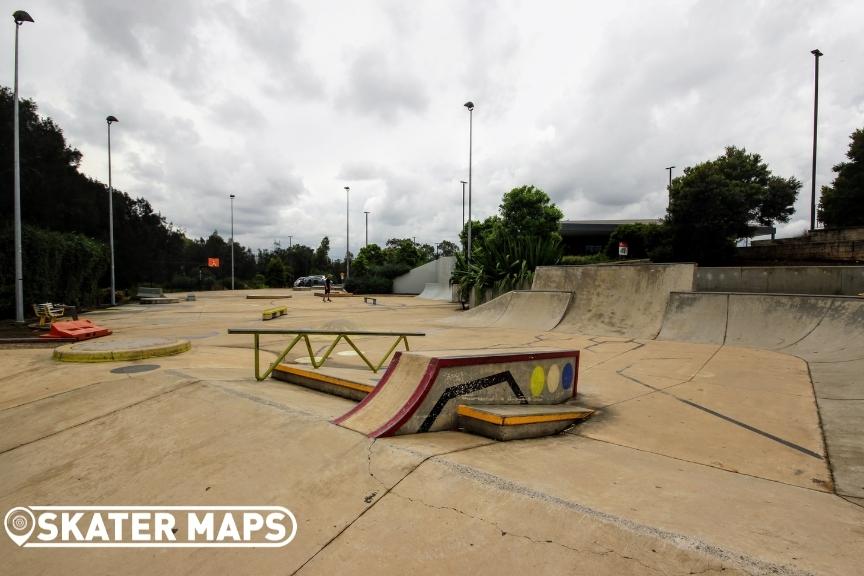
[[59, 267], [369, 285]]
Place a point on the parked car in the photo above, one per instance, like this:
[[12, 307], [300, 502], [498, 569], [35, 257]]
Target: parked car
[[300, 281]]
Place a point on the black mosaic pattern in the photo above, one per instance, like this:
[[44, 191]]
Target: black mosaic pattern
[[467, 388]]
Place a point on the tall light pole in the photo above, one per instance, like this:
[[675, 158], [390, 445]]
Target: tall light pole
[[290, 237], [20, 17], [366, 212], [110, 120], [231, 198], [470, 106], [816, 53], [463, 207], [347, 231], [669, 168]]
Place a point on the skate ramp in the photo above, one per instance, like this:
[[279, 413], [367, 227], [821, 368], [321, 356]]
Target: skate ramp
[[434, 291], [616, 300], [534, 309], [421, 390], [827, 332], [826, 328]]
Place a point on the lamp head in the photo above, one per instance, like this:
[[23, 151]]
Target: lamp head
[[816, 53], [347, 188], [21, 16], [111, 119], [469, 105], [231, 196]]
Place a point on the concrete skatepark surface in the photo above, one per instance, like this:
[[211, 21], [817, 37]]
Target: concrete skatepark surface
[[701, 457]]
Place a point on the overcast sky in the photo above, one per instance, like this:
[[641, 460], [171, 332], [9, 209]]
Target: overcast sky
[[284, 103]]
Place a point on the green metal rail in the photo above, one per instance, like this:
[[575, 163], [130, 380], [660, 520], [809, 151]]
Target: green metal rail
[[304, 334]]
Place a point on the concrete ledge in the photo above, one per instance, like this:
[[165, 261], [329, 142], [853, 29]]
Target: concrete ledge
[[268, 296], [120, 350], [322, 382], [508, 422], [159, 300]]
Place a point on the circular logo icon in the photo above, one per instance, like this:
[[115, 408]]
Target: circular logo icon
[[19, 523]]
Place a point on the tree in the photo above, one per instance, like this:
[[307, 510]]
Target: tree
[[404, 251], [275, 272], [528, 211], [842, 204], [448, 248], [369, 256], [715, 203], [321, 262], [481, 231]]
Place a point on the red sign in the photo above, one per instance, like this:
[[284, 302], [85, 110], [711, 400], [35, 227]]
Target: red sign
[[622, 248], [212, 262]]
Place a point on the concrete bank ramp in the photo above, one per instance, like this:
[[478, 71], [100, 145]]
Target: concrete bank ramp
[[806, 326], [825, 331], [529, 309], [420, 391], [616, 300], [433, 291]]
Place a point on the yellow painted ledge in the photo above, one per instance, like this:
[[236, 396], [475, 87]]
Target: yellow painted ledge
[[69, 353], [498, 420], [286, 369]]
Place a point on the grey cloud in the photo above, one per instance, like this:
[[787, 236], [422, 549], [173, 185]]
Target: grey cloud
[[362, 171], [380, 87], [269, 32]]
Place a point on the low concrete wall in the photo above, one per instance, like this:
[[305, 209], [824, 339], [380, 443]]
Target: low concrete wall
[[837, 280], [830, 245], [434, 272]]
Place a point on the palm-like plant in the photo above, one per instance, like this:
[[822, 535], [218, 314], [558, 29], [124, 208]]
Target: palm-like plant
[[503, 263]]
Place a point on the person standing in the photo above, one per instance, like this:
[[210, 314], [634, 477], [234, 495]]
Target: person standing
[[326, 297]]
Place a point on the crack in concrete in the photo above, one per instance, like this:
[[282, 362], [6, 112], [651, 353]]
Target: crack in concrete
[[694, 462], [504, 532], [101, 416], [375, 503], [680, 541]]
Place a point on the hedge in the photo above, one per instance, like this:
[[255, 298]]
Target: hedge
[[58, 267]]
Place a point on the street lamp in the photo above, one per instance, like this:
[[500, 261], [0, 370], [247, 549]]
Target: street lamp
[[110, 120], [669, 168], [347, 242], [231, 197], [20, 17], [463, 206], [470, 106], [290, 244], [366, 212], [816, 53]]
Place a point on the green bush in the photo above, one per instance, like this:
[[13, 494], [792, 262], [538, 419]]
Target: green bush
[[504, 263], [369, 285], [58, 267], [582, 260]]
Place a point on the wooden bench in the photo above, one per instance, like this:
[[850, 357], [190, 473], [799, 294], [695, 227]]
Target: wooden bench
[[304, 334], [275, 312], [366, 300], [48, 312]]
